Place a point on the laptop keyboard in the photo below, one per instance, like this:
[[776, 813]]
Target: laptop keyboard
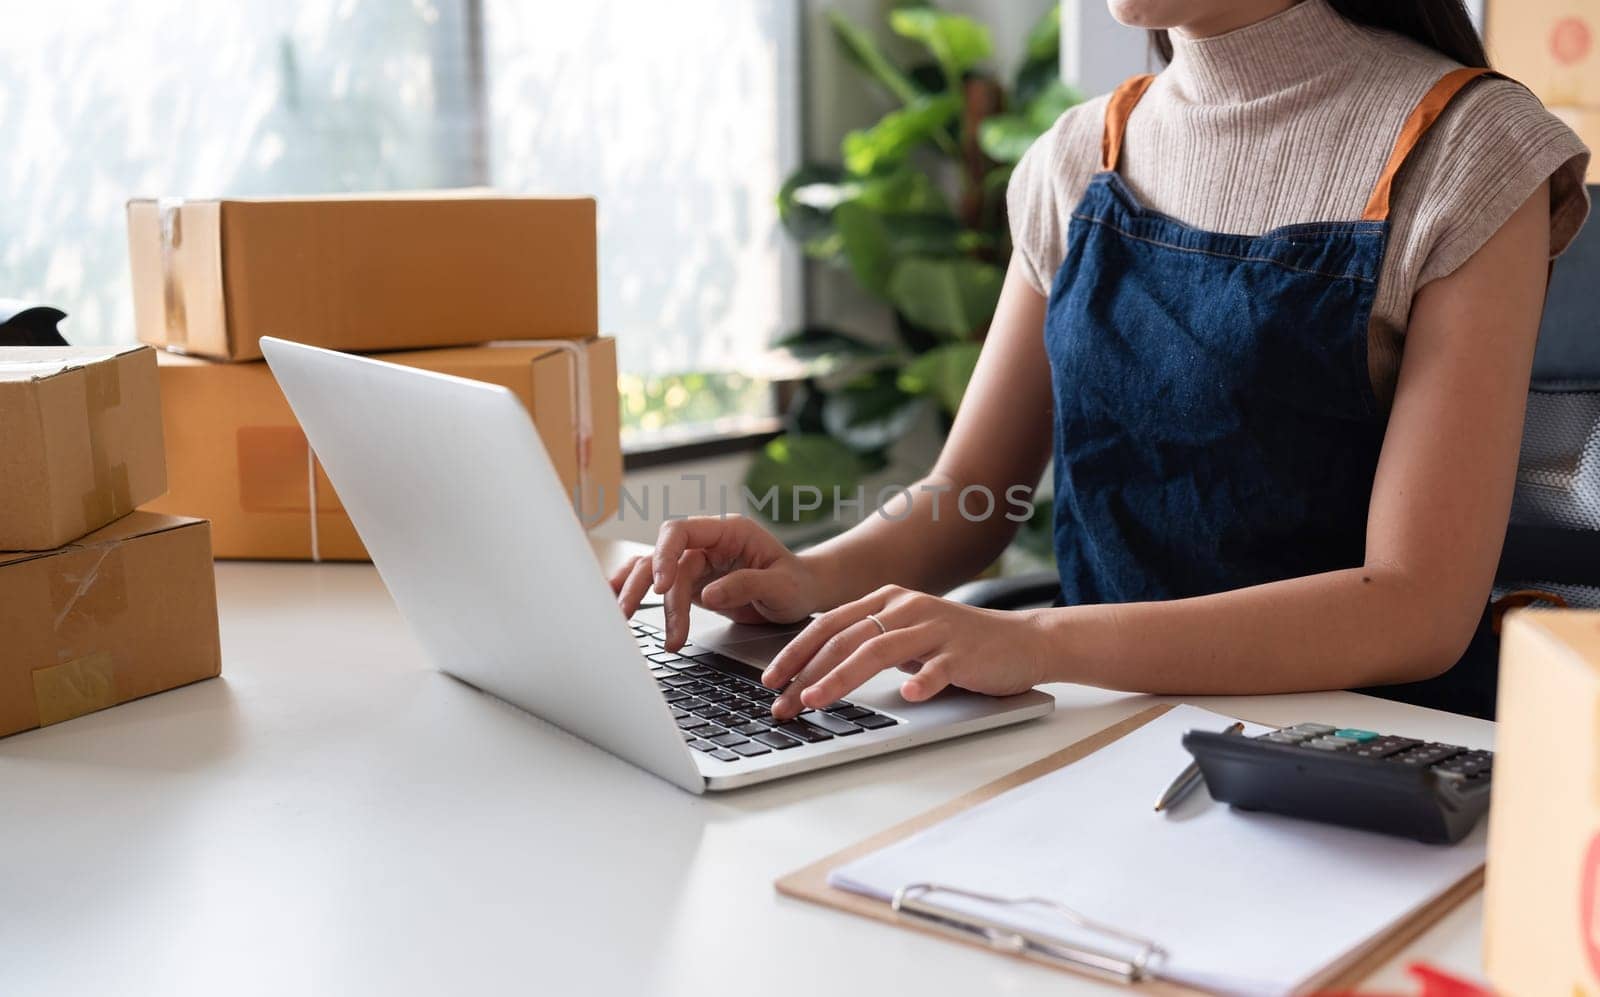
[[725, 712]]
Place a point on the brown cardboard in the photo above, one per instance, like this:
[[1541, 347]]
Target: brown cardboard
[[238, 458], [1542, 906], [129, 610], [374, 272], [1551, 46], [80, 440]]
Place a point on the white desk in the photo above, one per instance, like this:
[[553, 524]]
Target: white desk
[[333, 816]]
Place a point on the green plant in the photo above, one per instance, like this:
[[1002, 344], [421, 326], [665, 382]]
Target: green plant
[[915, 212]]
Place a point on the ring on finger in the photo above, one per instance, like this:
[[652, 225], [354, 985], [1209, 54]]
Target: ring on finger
[[883, 628]]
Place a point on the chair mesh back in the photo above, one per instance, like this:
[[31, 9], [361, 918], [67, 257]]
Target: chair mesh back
[[1558, 475]]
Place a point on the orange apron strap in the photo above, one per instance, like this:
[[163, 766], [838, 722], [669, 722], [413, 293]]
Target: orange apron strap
[[1422, 118], [1123, 99]]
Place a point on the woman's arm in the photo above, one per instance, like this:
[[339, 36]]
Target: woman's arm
[[1435, 527], [1000, 440]]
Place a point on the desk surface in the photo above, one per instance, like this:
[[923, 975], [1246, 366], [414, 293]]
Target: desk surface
[[333, 816]]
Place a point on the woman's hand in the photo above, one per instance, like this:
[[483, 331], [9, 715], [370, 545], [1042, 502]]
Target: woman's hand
[[941, 642], [725, 563]]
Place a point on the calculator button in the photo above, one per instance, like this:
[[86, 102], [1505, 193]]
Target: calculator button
[[1331, 741], [1357, 735], [1323, 744], [1314, 730], [1279, 737]]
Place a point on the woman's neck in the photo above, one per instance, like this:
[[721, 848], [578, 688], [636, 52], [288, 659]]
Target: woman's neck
[[1267, 55], [1243, 14]]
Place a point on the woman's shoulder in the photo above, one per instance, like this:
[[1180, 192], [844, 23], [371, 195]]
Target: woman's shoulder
[[1070, 147], [1490, 149]]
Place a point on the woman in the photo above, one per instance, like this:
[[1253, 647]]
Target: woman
[[1272, 313]]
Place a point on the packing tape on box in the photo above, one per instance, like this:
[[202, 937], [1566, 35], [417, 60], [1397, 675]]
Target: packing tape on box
[[582, 409], [177, 318], [89, 592], [111, 495], [76, 687]]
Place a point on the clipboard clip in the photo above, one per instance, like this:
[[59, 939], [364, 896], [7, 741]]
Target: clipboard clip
[[912, 901]]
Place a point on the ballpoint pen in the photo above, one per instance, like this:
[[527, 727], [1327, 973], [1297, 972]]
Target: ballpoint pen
[[1189, 777]]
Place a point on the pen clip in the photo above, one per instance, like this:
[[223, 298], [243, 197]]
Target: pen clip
[[912, 900]]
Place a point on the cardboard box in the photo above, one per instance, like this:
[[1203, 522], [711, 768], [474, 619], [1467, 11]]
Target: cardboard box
[[129, 610], [1542, 908], [1551, 46], [80, 440], [378, 272], [238, 458]]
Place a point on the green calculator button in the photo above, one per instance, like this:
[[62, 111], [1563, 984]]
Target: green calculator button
[[1356, 735]]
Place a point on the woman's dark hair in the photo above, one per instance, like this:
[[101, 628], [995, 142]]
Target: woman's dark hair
[[1442, 25]]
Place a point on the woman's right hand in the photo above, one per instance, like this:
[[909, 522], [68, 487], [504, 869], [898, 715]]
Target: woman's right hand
[[728, 564]]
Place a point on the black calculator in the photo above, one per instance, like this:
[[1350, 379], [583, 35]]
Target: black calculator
[[1358, 778]]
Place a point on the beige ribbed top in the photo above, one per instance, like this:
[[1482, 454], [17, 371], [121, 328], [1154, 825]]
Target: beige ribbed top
[[1290, 120]]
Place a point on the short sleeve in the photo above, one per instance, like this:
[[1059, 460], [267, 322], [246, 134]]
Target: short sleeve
[[1031, 209], [1487, 154], [1045, 186]]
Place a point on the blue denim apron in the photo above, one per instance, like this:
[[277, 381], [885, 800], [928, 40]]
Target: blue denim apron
[[1215, 424]]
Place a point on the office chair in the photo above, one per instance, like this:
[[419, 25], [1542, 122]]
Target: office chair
[[1553, 538]]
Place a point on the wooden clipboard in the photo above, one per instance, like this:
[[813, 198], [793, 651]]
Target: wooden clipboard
[[811, 882]]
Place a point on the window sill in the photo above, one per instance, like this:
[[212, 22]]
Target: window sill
[[699, 443]]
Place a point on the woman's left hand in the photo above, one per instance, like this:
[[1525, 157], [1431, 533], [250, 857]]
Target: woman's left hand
[[940, 642]]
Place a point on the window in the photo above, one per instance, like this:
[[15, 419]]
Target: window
[[681, 118]]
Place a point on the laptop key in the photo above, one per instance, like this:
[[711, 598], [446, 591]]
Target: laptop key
[[874, 721], [690, 651], [724, 755], [776, 740], [750, 749], [699, 745], [830, 723], [730, 739], [804, 731], [851, 712], [750, 729]]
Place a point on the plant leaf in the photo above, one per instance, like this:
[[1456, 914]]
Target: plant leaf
[[1005, 137], [957, 42], [871, 413], [860, 48], [820, 340], [903, 191], [1049, 104], [866, 150], [952, 297], [942, 373], [806, 215], [1044, 38], [791, 462], [866, 244]]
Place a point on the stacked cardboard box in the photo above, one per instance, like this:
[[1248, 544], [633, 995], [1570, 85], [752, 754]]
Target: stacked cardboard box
[[1553, 47], [98, 604], [1542, 905], [495, 288]]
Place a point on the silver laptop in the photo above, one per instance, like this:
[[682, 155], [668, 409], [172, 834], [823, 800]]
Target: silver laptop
[[451, 490]]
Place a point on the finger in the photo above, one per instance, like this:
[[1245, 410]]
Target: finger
[[834, 650], [748, 587], [929, 681], [691, 567], [635, 587], [620, 576], [798, 652], [884, 651], [679, 535]]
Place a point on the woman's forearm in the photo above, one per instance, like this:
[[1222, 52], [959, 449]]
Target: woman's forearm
[[1341, 629], [926, 538]]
